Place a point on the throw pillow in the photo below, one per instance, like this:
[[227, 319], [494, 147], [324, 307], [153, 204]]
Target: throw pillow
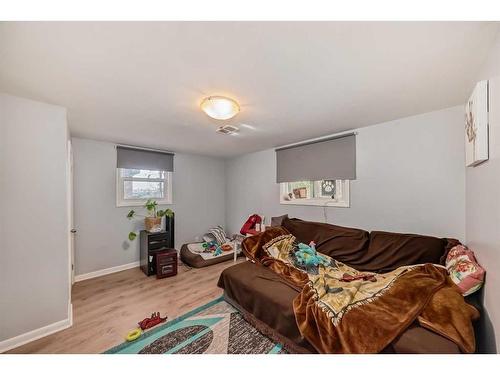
[[464, 269], [280, 247], [219, 234]]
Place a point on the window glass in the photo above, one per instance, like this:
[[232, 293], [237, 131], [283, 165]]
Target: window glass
[[142, 173], [326, 189], [329, 193], [301, 189], [143, 189]]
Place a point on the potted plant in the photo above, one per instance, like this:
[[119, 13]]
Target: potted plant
[[152, 220]]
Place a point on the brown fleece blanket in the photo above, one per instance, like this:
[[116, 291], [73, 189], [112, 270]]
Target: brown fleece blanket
[[362, 315]]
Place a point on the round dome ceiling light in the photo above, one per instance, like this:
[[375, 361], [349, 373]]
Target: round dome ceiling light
[[220, 107]]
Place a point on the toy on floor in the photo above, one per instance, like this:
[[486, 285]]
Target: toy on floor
[[217, 252], [307, 255], [134, 334], [210, 246], [151, 322], [226, 247], [215, 249]]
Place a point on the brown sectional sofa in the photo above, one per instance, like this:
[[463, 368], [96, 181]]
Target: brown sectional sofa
[[265, 299]]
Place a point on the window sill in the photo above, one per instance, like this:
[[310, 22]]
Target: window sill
[[141, 203], [315, 202]]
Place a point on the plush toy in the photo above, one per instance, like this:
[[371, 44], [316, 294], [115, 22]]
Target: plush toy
[[213, 247], [307, 256], [210, 246], [155, 319], [218, 251]]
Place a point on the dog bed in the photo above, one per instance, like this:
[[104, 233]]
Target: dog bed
[[192, 254]]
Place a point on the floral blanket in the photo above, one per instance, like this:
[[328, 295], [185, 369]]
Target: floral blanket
[[341, 310]]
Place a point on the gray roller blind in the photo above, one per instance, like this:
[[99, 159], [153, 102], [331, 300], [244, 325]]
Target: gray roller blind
[[332, 158], [137, 158]]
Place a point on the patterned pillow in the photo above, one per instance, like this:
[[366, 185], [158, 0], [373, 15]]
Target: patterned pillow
[[280, 247], [219, 234], [464, 270]]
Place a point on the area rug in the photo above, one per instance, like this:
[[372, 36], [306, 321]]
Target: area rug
[[214, 328]]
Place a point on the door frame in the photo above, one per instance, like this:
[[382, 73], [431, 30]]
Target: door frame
[[71, 234]]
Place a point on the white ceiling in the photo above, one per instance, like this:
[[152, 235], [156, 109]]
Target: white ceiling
[[141, 82]]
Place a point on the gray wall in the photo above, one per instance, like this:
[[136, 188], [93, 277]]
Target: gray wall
[[198, 202], [34, 255], [410, 178], [483, 206]]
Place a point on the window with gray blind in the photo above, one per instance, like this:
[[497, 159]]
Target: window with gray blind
[[137, 158], [317, 172], [333, 158], [143, 174]]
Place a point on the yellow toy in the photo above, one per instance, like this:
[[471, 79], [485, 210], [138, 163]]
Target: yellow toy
[[134, 334]]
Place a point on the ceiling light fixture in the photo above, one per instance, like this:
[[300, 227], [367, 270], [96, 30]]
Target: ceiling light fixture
[[220, 107]]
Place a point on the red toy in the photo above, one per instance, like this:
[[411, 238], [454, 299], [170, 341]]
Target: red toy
[[151, 322], [249, 226]]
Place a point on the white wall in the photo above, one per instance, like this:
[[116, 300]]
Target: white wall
[[410, 178], [101, 241], [483, 204], [34, 256]]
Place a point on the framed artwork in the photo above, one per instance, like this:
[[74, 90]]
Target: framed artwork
[[476, 126]]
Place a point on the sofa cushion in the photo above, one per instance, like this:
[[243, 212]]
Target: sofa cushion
[[277, 221], [376, 251], [388, 251], [341, 243]]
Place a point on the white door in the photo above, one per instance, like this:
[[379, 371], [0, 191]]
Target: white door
[[71, 228]]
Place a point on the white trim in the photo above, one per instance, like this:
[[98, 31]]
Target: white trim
[[106, 271], [70, 203], [70, 313], [316, 202], [38, 333], [120, 202]]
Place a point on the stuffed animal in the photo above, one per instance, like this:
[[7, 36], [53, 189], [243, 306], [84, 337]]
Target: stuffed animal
[[152, 321], [213, 247], [218, 251], [210, 246], [307, 256]]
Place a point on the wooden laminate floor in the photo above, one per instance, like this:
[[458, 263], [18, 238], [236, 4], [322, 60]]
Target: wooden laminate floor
[[107, 307]]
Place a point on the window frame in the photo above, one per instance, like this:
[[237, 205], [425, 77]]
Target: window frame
[[342, 199], [122, 202]]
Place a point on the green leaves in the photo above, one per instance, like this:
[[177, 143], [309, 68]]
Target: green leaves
[[151, 207], [168, 212]]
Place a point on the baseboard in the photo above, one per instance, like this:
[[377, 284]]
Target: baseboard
[[38, 333], [106, 271]]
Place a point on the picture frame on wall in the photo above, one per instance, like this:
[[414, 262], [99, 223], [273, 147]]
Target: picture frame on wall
[[476, 126]]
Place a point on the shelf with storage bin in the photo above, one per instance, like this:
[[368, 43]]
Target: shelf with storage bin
[[151, 245]]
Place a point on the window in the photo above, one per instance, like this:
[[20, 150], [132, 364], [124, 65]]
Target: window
[[135, 186], [332, 193]]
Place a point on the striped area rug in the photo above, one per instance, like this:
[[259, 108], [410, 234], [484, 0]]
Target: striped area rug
[[215, 328]]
